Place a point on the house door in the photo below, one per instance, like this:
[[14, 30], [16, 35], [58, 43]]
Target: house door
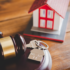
[[46, 19]]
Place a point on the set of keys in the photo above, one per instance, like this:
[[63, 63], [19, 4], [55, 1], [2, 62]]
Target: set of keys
[[35, 44], [37, 51]]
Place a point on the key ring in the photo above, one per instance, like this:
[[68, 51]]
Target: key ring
[[38, 44]]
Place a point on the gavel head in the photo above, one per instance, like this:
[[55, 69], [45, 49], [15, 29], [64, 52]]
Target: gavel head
[[12, 46]]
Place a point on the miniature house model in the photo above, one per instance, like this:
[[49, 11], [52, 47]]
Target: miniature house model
[[49, 14], [49, 20]]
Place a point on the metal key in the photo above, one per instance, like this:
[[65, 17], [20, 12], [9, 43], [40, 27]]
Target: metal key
[[32, 44], [36, 44]]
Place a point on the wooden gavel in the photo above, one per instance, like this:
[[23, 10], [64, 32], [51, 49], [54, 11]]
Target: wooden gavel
[[14, 46], [11, 46]]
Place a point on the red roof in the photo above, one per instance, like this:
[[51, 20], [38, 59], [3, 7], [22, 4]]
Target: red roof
[[59, 6]]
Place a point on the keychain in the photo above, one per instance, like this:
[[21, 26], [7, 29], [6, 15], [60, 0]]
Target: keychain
[[37, 53], [36, 44]]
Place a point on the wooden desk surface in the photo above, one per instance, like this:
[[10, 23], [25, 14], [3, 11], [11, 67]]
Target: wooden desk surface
[[60, 52]]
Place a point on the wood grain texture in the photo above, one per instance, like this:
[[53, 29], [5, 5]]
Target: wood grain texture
[[14, 15], [67, 69], [60, 53], [14, 26], [69, 2], [14, 8]]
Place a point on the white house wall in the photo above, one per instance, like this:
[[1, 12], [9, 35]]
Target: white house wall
[[57, 22], [61, 22], [35, 18]]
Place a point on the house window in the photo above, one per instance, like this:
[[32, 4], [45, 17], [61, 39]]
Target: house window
[[42, 23], [49, 24], [49, 14], [42, 13]]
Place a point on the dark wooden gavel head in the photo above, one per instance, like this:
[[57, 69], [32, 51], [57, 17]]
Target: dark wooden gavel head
[[11, 46]]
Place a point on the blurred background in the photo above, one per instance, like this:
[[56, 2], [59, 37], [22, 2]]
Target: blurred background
[[14, 16]]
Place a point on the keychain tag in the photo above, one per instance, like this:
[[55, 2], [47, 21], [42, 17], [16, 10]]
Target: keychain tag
[[36, 55]]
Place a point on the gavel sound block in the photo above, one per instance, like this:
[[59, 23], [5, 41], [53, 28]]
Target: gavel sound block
[[14, 46]]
